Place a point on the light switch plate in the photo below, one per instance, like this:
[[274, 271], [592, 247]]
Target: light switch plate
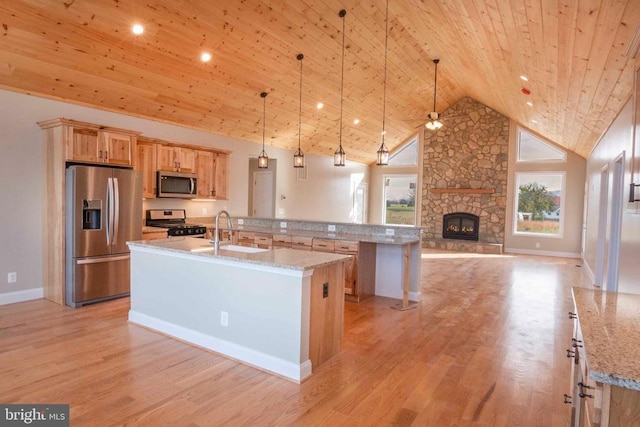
[[240, 221], [390, 232], [283, 224], [331, 227]]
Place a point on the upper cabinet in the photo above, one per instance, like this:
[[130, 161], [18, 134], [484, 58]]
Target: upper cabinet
[[178, 159], [89, 143], [210, 166], [147, 163]]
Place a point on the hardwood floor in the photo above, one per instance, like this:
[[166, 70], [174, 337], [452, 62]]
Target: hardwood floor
[[485, 347]]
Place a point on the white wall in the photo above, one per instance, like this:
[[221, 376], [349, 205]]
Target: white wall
[[326, 195], [616, 140]]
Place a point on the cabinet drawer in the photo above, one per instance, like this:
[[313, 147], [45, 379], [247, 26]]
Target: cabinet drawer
[[348, 246], [300, 242], [245, 237], [278, 238], [325, 245], [263, 239]]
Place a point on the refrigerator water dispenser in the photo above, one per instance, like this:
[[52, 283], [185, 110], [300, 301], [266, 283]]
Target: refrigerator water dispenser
[[91, 214]]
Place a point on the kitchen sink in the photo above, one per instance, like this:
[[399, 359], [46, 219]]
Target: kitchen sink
[[232, 248]]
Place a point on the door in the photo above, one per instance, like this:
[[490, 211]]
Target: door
[[263, 205], [87, 217], [127, 222]]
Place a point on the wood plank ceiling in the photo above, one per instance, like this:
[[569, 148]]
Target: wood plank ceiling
[[574, 52]]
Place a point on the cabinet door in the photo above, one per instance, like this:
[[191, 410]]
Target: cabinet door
[[221, 179], [186, 158], [205, 171], [83, 146], [118, 148], [146, 162], [351, 275], [166, 159], [263, 241]]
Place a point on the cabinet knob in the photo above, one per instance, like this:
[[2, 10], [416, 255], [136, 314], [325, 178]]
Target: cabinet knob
[[571, 353], [567, 399], [572, 315]]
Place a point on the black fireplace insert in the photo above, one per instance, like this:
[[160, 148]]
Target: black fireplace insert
[[460, 225]]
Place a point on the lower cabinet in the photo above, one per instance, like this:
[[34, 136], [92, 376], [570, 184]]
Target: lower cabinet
[[596, 404]]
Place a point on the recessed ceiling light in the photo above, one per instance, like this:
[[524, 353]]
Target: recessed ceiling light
[[535, 122], [205, 57], [524, 78], [530, 104], [356, 121], [320, 105], [137, 29]]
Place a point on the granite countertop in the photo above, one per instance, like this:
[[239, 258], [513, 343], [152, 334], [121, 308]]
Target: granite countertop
[[390, 240], [610, 324], [291, 259]]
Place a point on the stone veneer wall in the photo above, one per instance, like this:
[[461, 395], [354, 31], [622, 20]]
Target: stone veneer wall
[[469, 151]]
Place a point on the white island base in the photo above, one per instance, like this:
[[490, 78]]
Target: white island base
[[257, 308]]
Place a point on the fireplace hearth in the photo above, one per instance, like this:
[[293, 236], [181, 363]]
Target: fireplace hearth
[[461, 226]]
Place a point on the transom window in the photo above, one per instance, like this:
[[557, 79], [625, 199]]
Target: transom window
[[407, 155], [533, 149]]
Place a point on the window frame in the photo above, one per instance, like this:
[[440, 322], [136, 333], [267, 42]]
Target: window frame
[[542, 141], [517, 183], [415, 139], [414, 176]]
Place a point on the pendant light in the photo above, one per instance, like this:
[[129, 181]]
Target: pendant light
[[434, 122], [382, 156], [298, 157], [339, 157], [263, 159]]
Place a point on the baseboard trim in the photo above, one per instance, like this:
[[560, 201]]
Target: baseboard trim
[[259, 360], [543, 253], [20, 296]]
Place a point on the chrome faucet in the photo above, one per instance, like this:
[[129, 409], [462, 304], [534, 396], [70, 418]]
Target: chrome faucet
[[216, 238]]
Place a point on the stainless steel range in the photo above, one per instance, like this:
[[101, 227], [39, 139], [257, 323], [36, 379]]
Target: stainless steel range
[[175, 221]]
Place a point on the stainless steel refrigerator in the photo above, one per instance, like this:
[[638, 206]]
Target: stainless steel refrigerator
[[104, 211]]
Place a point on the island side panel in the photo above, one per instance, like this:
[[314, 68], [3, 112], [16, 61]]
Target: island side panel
[[390, 270], [190, 292], [327, 313]]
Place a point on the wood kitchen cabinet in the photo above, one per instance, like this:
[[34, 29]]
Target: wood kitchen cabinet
[[90, 144], [302, 242], [206, 171], [221, 176], [281, 241], [178, 159], [146, 163], [595, 403]]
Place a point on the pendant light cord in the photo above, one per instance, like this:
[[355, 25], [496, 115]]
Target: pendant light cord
[[264, 116], [384, 89], [300, 57], [342, 15]]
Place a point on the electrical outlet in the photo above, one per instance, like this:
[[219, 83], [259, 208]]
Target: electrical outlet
[[390, 231], [204, 211], [224, 318], [537, 245], [12, 277], [240, 221], [331, 227], [325, 290], [283, 224]]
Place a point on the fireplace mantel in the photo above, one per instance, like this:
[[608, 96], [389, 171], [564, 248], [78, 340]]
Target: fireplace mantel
[[462, 190]]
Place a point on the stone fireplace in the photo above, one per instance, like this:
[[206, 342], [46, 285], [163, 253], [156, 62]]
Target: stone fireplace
[[465, 171]]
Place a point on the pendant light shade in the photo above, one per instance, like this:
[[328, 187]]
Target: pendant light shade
[[434, 122], [263, 159], [382, 156], [298, 157], [340, 157]]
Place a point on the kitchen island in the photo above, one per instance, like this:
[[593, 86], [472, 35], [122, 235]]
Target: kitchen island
[[280, 310]]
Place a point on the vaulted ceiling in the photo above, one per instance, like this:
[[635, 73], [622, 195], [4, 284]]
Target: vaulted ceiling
[[577, 55]]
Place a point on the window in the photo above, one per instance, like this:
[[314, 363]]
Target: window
[[407, 155], [539, 203], [533, 149], [399, 199]]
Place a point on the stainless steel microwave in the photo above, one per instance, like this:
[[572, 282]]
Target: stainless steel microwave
[[177, 184]]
